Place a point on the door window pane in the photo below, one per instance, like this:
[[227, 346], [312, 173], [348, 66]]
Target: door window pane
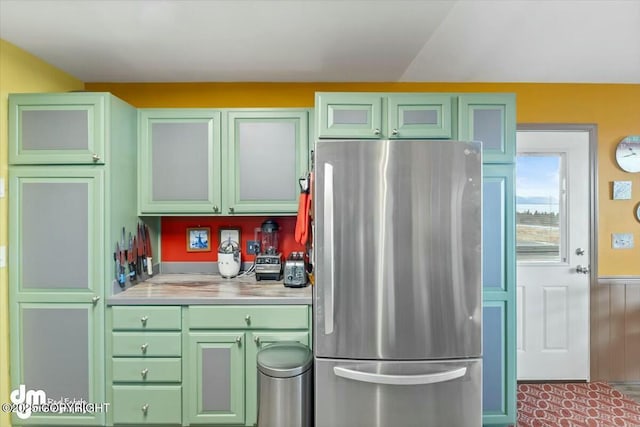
[[539, 207]]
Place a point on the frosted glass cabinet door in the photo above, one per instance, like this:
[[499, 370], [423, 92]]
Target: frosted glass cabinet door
[[58, 353], [64, 128], [490, 118], [349, 115], [419, 116], [498, 259], [179, 161], [56, 216], [268, 152], [498, 365], [214, 389]]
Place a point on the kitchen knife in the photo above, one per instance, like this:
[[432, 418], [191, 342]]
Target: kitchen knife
[[130, 259], [140, 250], [149, 250], [120, 253]]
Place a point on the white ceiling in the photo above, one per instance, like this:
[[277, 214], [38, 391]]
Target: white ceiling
[[581, 41]]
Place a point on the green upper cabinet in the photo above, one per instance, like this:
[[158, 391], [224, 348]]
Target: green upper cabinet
[[179, 161], [490, 118], [221, 162], [60, 128], [349, 115], [417, 115], [381, 115], [267, 153]]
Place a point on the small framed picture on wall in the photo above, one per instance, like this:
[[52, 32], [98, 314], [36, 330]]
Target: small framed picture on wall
[[198, 239]]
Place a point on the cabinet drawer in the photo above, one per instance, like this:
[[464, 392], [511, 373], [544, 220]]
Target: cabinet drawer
[[152, 344], [150, 405], [147, 370], [147, 318], [249, 317]]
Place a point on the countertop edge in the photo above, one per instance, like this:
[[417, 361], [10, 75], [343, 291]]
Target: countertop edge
[[210, 301]]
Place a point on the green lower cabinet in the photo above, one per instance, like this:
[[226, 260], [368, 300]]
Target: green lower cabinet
[[150, 405], [147, 370], [214, 378]]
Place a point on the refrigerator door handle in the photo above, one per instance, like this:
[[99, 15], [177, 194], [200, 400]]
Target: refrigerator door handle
[[328, 248], [369, 377]]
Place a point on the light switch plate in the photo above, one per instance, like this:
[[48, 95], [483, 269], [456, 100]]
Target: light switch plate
[[621, 190], [3, 257], [622, 241], [1, 187]]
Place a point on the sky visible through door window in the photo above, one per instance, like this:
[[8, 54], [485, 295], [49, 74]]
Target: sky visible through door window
[[538, 206]]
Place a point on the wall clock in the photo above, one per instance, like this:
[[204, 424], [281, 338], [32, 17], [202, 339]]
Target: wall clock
[[628, 154]]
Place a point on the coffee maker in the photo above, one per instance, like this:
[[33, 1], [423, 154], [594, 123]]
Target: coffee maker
[[269, 260]]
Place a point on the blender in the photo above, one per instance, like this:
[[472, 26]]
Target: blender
[[269, 260]]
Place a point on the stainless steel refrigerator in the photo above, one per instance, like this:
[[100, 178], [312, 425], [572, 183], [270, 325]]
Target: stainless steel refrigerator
[[397, 298]]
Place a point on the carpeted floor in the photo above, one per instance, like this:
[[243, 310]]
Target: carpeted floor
[[594, 404]]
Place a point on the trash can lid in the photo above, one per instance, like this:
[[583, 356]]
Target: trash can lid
[[284, 359]]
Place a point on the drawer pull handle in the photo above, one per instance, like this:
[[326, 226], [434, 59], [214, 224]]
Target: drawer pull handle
[[144, 319], [257, 341], [143, 347], [239, 340], [144, 373], [247, 319], [145, 408]]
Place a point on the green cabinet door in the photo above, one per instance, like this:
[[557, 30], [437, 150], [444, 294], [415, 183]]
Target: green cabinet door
[[498, 251], [57, 217], [255, 342], [498, 364], [58, 348], [349, 115], [213, 378], [62, 128], [419, 115], [490, 118], [179, 160], [267, 151]]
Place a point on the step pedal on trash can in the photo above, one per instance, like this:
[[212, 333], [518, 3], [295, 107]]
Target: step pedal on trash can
[[285, 385]]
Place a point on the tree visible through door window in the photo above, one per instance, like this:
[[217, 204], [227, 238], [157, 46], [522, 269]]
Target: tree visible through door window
[[539, 207]]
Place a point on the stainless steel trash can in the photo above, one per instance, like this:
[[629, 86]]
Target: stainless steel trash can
[[285, 385]]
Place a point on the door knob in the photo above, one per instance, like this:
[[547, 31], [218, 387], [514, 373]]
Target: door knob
[[144, 373], [394, 132], [95, 158], [376, 131], [144, 347], [579, 251], [584, 269], [95, 300], [145, 409], [257, 340]]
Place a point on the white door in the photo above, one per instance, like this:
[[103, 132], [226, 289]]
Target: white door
[[552, 245]]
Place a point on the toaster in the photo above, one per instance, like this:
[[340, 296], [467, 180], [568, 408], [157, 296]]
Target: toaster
[[295, 270]]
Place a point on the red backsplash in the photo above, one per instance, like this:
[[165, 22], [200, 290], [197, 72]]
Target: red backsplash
[[173, 239]]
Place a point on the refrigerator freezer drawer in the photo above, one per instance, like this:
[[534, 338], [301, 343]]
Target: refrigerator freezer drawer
[[351, 393]]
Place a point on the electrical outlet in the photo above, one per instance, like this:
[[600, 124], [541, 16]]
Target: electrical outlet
[[253, 247]]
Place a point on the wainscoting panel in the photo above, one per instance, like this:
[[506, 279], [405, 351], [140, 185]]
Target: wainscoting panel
[[615, 329]]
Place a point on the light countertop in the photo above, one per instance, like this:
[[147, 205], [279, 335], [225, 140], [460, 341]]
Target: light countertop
[[187, 289]]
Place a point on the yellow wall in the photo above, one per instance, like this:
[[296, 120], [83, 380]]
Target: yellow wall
[[19, 72], [614, 108]]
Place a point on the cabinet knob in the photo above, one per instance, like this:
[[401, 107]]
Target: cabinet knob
[[144, 347], [143, 320], [215, 208], [231, 209], [256, 339], [144, 373], [376, 131], [247, 319], [239, 340], [95, 157], [395, 132], [95, 299], [145, 408]]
